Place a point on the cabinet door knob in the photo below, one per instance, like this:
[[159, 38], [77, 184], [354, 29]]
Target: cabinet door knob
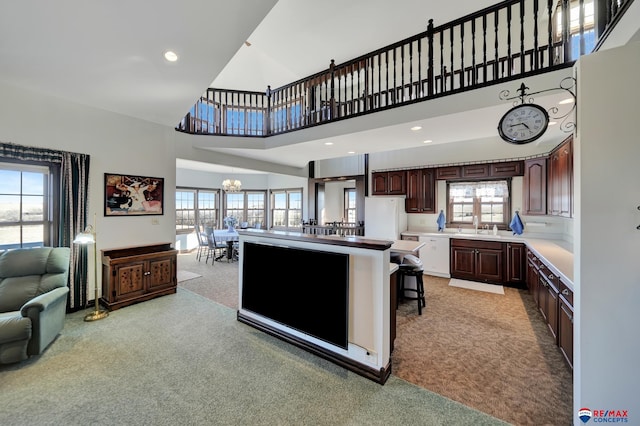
[[550, 276], [565, 292]]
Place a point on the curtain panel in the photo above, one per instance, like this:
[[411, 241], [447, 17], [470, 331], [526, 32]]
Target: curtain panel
[[72, 186]]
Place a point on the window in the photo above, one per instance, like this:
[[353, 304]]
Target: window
[[24, 206], [588, 29], [196, 206], [350, 205], [486, 200], [246, 206], [286, 208]]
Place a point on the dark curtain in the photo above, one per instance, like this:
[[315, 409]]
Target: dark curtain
[[72, 187]]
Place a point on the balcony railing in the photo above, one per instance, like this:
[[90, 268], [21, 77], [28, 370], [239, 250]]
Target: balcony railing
[[513, 39]]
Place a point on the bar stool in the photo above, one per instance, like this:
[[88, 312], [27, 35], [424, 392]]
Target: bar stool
[[411, 271]]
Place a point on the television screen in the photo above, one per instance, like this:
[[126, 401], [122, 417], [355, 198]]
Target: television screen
[[307, 290]]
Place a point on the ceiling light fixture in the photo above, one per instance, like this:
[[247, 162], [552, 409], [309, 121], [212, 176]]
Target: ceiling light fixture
[[427, 141], [170, 56], [351, 152], [328, 143], [416, 128], [231, 185]]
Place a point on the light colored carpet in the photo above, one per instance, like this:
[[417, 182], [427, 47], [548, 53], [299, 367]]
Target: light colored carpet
[[471, 285], [186, 275], [182, 359]]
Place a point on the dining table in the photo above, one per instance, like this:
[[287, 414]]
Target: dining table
[[230, 237]]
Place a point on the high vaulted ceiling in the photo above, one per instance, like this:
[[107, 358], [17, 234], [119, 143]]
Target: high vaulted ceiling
[[109, 54]]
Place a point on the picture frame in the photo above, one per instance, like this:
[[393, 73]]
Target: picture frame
[[133, 195]]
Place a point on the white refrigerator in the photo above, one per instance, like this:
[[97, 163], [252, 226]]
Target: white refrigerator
[[384, 217]]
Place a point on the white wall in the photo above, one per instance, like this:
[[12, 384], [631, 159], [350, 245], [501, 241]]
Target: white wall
[[607, 243], [116, 144], [334, 200]]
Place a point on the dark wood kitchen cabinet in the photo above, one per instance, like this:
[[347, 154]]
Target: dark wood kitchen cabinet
[[533, 275], [548, 284], [516, 272], [134, 274], [560, 180], [534, 187], [565, 323], [421, 191], [477, 260], [388, 183]]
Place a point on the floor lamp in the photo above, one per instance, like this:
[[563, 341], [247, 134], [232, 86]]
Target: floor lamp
[[87, 237]]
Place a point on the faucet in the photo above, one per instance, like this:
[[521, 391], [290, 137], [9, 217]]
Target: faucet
[[475, 223]]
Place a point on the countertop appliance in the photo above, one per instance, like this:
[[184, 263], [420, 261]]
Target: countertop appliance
[[384, 217]]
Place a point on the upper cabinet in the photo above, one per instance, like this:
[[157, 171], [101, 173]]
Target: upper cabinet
[[481, 171], [560, 185], [388, 183], [421, 191], [534, 194], [548, 183]]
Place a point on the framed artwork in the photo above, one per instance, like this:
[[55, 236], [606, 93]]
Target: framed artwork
[[130, 195]]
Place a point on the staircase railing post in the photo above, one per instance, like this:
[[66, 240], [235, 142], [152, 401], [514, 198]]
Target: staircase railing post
[[430, 58]]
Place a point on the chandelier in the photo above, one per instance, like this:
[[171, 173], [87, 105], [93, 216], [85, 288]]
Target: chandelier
[[231, 185]]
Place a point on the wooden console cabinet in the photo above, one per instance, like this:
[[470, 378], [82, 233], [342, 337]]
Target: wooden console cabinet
[[134, 274]]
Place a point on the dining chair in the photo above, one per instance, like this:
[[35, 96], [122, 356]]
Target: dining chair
[[203, 245]]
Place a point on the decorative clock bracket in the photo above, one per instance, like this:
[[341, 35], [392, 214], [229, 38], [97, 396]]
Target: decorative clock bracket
[[567, 84]]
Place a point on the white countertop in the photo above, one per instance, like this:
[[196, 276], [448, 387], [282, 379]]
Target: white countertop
[[406, 246], [557, 254]]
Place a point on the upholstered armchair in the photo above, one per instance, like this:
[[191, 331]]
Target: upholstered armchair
[[33, 300]]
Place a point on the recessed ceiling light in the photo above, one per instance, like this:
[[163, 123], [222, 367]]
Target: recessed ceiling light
[[328, 143], [552, 123], [566, 101], [427, 141], [351, 152], [170, 56], [415, 128]]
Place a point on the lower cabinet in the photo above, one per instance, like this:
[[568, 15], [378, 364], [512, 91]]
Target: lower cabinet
[[488, 261], [134, 274], [565, 323], [554, 300], [477, 260]]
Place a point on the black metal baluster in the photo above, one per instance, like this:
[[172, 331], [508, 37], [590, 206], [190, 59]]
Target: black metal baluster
[[521, 36], [442, 66], [550, 31], [536, 61], [386, 84], [451, 56], [474, 80], [509, 58], [484, 48], [402, 71], [411, 70], [430, 84], [496, 63], [380, 80], [395, 87], [462, 55], [420, 84]]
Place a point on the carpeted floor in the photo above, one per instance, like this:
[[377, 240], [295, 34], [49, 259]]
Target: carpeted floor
[[182, 359], [489, 351]]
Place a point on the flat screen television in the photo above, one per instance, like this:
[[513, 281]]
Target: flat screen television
[[307, 290]]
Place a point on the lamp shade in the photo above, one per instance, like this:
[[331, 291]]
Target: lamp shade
[[85, 237]]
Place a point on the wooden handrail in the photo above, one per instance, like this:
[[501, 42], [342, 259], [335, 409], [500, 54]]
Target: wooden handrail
[[464, 54]]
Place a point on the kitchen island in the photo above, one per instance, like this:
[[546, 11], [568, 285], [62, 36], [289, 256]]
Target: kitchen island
[[330, 295]]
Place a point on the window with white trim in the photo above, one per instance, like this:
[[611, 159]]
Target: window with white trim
[[487, 200], [25, 206], [286, 208]]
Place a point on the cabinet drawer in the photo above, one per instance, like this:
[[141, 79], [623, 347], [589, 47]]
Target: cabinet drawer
[[549, 276], [452, 172], [507, 169], [460, 242], [409, 237], [566, 293], [475, 171]]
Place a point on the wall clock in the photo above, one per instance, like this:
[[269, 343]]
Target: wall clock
[[523, 124]]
